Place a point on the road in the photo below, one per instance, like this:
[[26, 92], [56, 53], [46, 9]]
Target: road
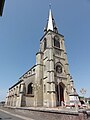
[[5, 115]]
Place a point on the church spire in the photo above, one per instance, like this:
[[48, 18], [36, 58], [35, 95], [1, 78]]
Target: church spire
[[51, 22]]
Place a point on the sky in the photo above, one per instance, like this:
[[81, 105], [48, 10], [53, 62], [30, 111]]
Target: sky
[[21, 28]]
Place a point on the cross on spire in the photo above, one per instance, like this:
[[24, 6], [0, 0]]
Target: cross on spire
[[50, 5]]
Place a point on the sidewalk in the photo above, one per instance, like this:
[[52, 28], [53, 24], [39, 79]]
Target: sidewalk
[[41, 113], [54, 110]]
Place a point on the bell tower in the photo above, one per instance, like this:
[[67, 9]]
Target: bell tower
[[52, 67], [48, 83]]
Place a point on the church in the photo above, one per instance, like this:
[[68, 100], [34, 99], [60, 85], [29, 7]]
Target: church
[[48, 83]]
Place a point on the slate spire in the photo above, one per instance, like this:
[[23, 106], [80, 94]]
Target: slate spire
[[50, 22]]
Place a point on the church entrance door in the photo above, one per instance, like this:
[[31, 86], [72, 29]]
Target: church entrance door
[[60, 94]]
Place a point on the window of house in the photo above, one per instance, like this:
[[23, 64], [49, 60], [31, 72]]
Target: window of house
[[30, 88]]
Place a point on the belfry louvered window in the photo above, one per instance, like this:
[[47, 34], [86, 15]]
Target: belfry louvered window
[[56, 42]]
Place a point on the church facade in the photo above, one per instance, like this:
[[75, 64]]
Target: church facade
[[48, 83]]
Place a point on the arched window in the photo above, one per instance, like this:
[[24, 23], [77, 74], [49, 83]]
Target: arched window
[[19, 88], [56, 42], [59, 69], [30, 88], [44, 88], [45, 43]]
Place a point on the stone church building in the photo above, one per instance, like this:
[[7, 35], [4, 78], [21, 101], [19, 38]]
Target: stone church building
[[48, 83]]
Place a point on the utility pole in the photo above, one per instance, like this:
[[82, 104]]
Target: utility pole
[[1, 6]]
